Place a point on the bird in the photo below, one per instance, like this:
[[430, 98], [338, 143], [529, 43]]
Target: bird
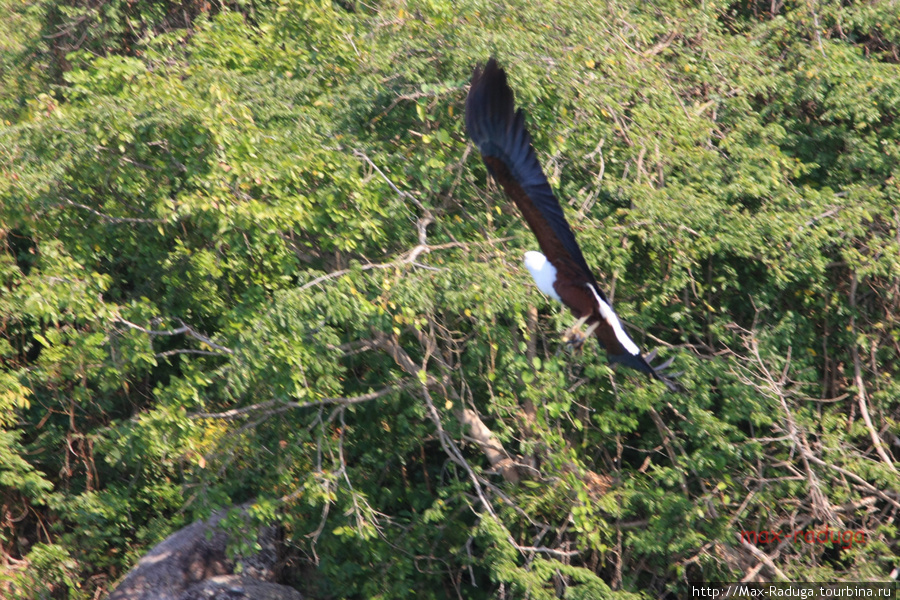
[[559, 270]]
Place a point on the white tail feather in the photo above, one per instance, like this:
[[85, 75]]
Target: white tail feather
[[610, 317]]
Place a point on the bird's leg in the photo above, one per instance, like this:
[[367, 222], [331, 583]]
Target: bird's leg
[[579, 323], [575, 339]]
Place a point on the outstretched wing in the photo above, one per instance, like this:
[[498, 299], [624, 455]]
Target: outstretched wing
[[499, 132], [498, 129]]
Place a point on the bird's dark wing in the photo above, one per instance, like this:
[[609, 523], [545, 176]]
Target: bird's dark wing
[[498, 130]]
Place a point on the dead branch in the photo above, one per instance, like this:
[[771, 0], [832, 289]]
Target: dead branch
[[454, 453], [481, 434], [858, 381], [764, 558], [184, 329], [489, 444], [426, 213], [407, 258], [108, 218], [666, 434], [776, 388], [186, 351], [862, 482], [279, 406]]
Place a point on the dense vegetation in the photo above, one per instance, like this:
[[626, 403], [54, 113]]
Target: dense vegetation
[[248, 252]]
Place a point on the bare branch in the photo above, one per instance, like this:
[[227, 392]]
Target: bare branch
[[187, 351], [764, 558], [453, 451], [481, 434], [108, 218], [857, 479], [237, 412], [858, 381], [183, 330], [407, 258], [280, 406], [398, 191], [787, 541], [776, 388], [666, 434], [489, 444]]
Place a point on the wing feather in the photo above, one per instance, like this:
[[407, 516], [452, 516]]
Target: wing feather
[[499, 132]]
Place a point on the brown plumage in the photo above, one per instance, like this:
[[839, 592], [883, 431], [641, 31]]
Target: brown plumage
[[505, 145]]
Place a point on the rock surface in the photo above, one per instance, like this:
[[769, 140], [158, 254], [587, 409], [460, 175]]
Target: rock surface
[[192, 564], [237, 587]]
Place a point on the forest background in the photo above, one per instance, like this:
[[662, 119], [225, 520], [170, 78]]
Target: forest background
[[249, 254]]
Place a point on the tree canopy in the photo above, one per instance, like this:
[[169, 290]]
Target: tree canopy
[[248, 253]]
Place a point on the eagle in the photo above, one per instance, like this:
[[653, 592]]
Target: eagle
[[559, 270]]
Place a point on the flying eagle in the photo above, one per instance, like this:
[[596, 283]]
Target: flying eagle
[[561, 271]]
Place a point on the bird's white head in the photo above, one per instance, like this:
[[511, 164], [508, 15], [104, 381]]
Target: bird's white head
[[543, 273]]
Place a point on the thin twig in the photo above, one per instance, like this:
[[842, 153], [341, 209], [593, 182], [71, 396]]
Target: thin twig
[[857, 479], [187, 351], [775, 388]]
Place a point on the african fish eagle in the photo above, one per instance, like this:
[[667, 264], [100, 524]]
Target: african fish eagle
[[498, 129]]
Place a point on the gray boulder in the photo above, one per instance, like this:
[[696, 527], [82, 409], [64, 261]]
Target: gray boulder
[[191, 563], [237, 587]]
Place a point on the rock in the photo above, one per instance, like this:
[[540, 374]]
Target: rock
[[195, 555], [237, 587]]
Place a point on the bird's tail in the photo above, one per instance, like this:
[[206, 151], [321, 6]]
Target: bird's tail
[[642, 364]]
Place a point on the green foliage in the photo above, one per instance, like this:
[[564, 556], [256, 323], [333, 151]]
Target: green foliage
[[51, 569], [250, 255]]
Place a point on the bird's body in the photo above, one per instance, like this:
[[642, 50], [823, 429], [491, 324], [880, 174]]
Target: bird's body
[[561, 271]]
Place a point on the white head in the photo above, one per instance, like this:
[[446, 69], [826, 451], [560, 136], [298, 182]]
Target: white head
[[543, 273]]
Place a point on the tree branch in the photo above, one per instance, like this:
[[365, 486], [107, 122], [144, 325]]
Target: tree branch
[[858, 381], [764, 558], [282, 406], [108, 218], [776, 388], [481, 434], [184, 329], [407, 258]]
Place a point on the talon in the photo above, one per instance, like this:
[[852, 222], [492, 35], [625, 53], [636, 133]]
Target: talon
[[659, 372], [665, 365], [575, 339]]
